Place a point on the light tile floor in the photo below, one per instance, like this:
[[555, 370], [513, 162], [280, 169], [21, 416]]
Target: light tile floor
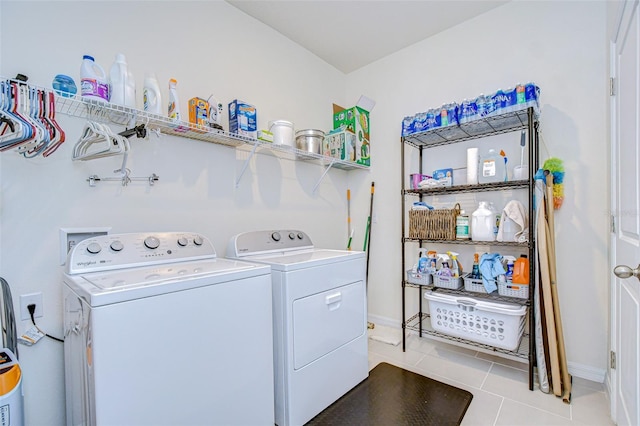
[[500, 389]]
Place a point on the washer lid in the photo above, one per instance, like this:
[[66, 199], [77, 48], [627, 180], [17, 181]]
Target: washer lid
[[102, 288], [290, 261]]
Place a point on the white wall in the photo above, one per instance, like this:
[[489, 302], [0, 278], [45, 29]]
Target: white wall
[[559, 45], [209, 47], [567, 59]]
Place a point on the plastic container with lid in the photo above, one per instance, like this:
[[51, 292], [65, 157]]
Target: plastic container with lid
[[483, 221], [282, 132], [152, 100], [94, 84], [491, 167]]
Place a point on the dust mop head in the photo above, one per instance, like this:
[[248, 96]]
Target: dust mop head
[[556, 168]]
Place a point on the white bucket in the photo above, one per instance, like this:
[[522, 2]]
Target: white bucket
[[282, 132]]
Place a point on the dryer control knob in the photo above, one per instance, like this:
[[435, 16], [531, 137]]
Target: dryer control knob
[[117, 245], [197, 240], [152, 242], [182, 241], [275, 236], [292, 236], [94, 248], [300, 236]]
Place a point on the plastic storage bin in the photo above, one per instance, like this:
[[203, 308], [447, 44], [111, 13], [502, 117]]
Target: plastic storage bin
[[447, 282], [496, 324], [520, 291], [473, 284], [419, 278]]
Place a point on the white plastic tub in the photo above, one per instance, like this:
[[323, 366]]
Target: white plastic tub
[[496, 324]]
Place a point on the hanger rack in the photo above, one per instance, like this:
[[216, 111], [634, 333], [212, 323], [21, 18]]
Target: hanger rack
[[125, 178]]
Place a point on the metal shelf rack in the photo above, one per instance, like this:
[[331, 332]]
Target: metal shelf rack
[[523, 119]]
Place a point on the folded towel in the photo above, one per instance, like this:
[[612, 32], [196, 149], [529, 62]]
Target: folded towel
[[490, 268]]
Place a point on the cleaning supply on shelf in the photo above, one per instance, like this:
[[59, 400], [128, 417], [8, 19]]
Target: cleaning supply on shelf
[[506, 169], [445, 270], [492, 167], [152, 99], [554, 166], [174, 101], [513, 223], [432, 257], [472, 166], [94, 84], [509, 274], [423, 261], [482, 223], [462, 226], [475, 270], [490, 269], [123, 87], [456, 266], [521, 171], [521, 270], [215, 113]]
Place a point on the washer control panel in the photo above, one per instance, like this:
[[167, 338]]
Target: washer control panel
[[262, 242], [116, 251]]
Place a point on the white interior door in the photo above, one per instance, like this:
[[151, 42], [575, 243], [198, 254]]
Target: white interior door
[[625, 288]]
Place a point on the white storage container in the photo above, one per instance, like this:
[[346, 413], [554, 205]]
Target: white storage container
[[419, 278], [492, 323]]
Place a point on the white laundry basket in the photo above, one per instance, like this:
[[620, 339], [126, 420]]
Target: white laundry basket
[[496, 324]]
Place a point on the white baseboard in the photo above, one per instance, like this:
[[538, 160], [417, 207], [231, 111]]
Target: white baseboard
[[389, 322], [587, 372]]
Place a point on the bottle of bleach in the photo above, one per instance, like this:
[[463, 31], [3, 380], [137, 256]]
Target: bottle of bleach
[[93, 80], [152, 100], [123, 87]]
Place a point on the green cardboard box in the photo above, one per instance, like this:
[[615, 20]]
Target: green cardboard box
[[356, 121]]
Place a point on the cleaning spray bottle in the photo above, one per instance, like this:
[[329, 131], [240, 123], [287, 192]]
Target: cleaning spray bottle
[[433, 261], [475, 271], [510, 260], [423, 261], [456, 266], [445, 270]]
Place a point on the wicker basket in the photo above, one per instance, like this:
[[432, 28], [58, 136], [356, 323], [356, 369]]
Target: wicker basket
[[433, 224]]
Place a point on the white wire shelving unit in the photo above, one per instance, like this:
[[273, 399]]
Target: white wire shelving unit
[[77, 106]]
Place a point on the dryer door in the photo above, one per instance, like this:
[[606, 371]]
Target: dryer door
[[325, 321]]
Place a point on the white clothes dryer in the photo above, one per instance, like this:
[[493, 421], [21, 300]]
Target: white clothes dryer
[[159, 331], [320, 319]]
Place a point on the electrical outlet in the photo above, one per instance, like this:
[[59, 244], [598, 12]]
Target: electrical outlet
[[28, 299], [69, 237]]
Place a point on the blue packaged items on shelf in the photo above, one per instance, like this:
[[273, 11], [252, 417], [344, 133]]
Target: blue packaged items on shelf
[[243, 119], [408, 125], [444, 177], [64, 85], [448, 115], [504, 101], [467, 111], [420, 122]]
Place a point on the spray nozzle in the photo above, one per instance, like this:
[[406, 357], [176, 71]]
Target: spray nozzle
[[453, 255], [509, 259]]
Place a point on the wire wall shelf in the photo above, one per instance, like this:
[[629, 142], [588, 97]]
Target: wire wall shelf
[[103, 111]]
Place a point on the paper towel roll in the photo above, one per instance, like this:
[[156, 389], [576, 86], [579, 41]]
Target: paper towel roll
[[472, 166]]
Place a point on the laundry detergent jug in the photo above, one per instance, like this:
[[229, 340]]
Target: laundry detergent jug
[[483, 221], [521, 270], [94, 83]]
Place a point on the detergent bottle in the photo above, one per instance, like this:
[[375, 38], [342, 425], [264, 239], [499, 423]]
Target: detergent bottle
[[174, 102], [432, 256], [483, 222], [94, 83], [475, 270], [510, 260], [521, 270], [151, 95]]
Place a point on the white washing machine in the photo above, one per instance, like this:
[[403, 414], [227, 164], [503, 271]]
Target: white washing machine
[[320, 319], [159, 331]]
